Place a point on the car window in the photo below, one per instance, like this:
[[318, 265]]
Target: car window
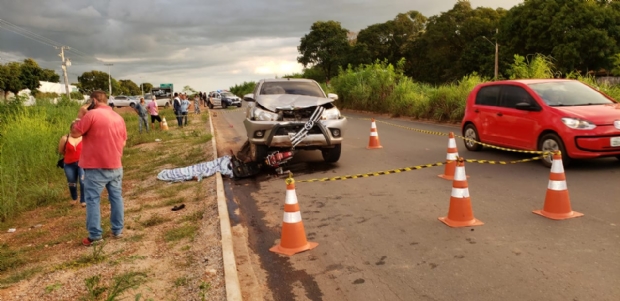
[[512, 95], [292, 87], [488, 96], [568, 93]]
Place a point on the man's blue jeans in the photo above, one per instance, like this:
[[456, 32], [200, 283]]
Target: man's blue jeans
[[94, 182], [141, 120], [74, 174]]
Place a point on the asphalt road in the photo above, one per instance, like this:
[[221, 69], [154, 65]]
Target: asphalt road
[[379, 237]]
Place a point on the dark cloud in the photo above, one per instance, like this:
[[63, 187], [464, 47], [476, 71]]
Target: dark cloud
[[206, 44]]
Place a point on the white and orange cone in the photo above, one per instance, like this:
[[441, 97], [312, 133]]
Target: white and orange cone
[[557, 201], [164, 124], [373, 142], [293, 238], [451, 158], [460, 213]]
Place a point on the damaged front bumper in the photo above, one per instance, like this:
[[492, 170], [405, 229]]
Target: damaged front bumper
[[324, 133]]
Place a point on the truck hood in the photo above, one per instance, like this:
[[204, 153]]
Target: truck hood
[[290, 102], [598, 114]]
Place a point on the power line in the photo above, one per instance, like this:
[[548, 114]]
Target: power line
[[41, 39]]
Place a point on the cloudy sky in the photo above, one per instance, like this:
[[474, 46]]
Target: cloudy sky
[[206, 44]]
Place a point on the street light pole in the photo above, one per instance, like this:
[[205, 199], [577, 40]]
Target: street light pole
[[496, 53], [109, 78]]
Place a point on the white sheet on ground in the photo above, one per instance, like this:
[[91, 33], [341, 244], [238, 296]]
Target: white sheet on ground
[[198, 171]]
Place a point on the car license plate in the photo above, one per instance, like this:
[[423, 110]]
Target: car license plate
[[615, 141]]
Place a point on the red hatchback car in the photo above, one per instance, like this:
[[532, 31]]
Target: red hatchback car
[[544, 115]]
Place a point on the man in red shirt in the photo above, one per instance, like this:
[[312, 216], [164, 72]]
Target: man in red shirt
[[103, 135]]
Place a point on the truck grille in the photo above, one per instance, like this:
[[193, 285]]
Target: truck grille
[[297, 115]]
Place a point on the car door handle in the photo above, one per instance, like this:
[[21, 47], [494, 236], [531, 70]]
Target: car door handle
[[500, 114], [476, 111]]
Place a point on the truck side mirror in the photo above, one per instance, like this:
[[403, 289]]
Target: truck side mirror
[[249, 97]]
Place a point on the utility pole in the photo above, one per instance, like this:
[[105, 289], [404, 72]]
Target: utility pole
[[65, 64], [496, 54], [109, 79]]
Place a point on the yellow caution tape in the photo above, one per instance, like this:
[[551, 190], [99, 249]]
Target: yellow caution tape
[[503, 162], [411, 168], [374, 174]]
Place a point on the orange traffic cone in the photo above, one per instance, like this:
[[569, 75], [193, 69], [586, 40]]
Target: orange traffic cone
[[451, 158], [460, 213], [374, 137], [557, 202], [164, 124], [293, 239]]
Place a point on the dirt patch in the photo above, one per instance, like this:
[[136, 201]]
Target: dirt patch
[[163, 254]]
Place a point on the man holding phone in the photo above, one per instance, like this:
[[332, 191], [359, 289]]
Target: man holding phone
[[104, 137]]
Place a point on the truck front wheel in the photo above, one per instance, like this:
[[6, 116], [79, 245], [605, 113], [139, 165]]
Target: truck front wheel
[[332, 155]]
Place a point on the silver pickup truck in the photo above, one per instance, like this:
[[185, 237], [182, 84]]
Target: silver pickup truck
[[285, 114]]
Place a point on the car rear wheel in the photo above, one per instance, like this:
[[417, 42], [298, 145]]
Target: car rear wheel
[[210, 105], [471, 133], [239, 106], [332, 155], [167, 105], [618, 157], [552, 143]]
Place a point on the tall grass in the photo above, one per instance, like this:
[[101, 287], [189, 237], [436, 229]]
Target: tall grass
[[383, 88], [28, 153]]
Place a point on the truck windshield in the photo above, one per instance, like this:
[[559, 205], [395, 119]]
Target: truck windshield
[[292, 87]]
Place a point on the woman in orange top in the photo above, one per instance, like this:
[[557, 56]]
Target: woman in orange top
[[71, 148]]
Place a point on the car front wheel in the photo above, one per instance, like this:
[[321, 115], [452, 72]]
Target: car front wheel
[[472, 143], [210, 105], [133, 105], [552, 143], [224, 105], [167, 105], [332, 155]]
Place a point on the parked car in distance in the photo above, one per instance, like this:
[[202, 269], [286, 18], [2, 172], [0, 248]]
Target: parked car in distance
[[124, 101], [161, 100], [543, 115], [280, 108], [224, 99]]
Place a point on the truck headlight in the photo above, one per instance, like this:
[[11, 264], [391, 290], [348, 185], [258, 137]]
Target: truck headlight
[[578, 124], [331, 114], [262, 115]]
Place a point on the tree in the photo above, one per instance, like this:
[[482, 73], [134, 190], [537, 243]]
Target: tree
[[580, 35], [49, 75], [97, 80], [326, 47], [128, 87], [189, 90], [242, 89], [444, 51], [12, 82], [147, 87]]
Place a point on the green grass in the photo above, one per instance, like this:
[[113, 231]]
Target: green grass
[[181, 281], [29, 177], [186, 231], [194, 216], [154, 220], [10, 259], [19, 276]]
